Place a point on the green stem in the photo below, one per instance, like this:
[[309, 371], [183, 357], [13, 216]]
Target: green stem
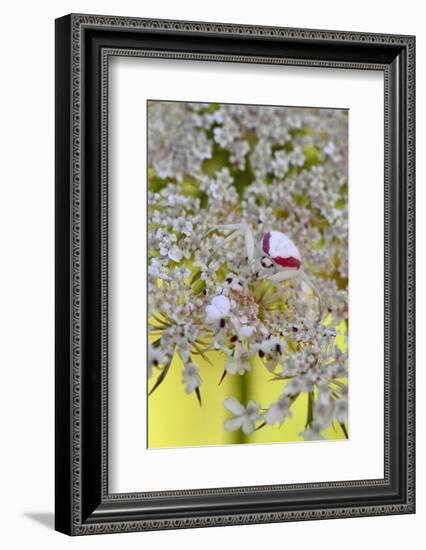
[[345, 431], [310, 409], [245, 395]]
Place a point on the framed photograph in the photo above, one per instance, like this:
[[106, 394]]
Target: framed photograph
[[234, 274]]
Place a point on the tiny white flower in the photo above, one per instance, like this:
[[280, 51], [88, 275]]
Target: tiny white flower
[[324, 393], [329, 149], [237, 365], [246, 331], [187, 228], [272, 346], [222, 304], [185, 352], [278, 411], [191, 377], [297, 157], [213, 315], [272, 349], [341, 409], [293, 387], [175, 254], [312, 433], [323, 413], [218, 308], [156, 357], [244, 417]]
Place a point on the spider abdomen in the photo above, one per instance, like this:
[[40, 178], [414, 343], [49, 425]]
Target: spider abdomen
[[281, 249]]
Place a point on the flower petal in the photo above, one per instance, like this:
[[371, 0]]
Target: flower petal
[[245, 331], [232, 424], [271, 415], [222, 304], [234, 406], [212, 315], [248, 426]]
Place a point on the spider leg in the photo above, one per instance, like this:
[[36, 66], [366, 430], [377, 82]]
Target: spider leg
[[279, 294], [236, 230], [306, 279], [248, 235], [283, 275], [228, 238], [278, 278], [286, 274], [228, 227]]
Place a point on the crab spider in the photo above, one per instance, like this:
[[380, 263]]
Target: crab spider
[[277, 254]]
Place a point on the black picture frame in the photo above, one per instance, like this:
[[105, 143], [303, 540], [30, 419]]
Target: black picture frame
[[83, 45]]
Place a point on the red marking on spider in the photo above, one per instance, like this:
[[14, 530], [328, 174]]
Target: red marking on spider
[[287, 262], [265, 244]]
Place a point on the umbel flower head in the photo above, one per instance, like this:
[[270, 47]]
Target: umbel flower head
[[248, 258]]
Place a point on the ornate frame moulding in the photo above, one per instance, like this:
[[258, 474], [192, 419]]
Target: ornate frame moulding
[[84, 44]]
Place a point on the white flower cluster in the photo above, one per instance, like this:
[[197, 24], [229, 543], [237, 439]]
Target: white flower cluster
[[274, 168]]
